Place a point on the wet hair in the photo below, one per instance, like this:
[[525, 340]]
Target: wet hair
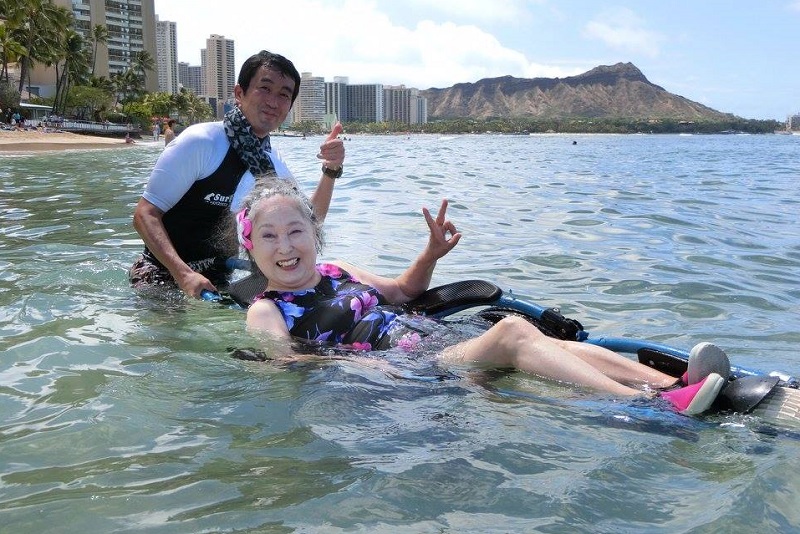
[[271, 61], [269, 187]]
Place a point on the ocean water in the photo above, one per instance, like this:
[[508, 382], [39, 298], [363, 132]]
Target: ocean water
[[122, 412]]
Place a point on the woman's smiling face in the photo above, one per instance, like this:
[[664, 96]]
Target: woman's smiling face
[[284, 244]]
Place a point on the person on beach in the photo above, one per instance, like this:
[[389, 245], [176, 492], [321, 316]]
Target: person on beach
[[342, 305], [209, 168], [156, 131], [169, 132]]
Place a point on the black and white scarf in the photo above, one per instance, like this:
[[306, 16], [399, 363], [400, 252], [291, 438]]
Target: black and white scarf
[[248, 146]]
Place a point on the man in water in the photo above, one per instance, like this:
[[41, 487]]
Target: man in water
[[169, 132], [209, 168]]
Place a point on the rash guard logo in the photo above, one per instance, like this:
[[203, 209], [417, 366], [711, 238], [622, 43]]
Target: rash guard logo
[[215, 199]]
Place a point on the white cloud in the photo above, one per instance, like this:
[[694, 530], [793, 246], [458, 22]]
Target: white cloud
[[622, 29], [361, 40], [506, 11], [438, 55]]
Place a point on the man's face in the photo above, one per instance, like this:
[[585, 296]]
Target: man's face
[[267, 101]]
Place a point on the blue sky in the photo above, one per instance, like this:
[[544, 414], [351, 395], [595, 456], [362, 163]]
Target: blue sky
[[736, 56]]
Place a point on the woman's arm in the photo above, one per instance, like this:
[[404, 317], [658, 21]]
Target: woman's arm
[[416, 279], [263, 316]]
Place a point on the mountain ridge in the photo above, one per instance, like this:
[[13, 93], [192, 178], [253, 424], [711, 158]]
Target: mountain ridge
[[607, 91]]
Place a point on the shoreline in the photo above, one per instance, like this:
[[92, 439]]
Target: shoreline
[[33, 141]]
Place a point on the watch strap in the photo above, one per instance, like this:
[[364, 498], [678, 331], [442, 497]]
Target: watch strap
[[332, 173]]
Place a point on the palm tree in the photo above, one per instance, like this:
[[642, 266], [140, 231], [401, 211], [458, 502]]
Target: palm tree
[[161, 103], [101, 82], [75, 57], [197, 109], [10, 50], [99, 36], [179, 102], [143, 62], [37, 25], [126, 83]]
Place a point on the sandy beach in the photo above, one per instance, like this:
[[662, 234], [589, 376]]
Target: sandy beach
[[38, 141]]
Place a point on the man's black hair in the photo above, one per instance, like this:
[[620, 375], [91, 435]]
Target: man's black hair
[[271, 61]]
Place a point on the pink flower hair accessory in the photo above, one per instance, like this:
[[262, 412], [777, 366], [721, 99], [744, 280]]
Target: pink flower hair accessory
[[243, 229]]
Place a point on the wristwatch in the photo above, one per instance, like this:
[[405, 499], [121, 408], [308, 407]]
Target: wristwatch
[[332, 173]]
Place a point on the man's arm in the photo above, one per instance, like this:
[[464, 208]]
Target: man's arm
[[196, 153], [331, 152], [148, 222]]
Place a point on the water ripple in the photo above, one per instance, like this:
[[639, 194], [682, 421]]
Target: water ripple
[[124, 411]]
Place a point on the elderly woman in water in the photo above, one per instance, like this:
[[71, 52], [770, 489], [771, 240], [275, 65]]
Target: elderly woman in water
[[345, 306]]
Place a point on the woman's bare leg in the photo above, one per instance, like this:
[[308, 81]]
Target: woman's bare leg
[[514, 342], [618, 367]]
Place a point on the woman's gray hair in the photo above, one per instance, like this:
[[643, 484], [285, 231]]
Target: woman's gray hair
[[270, 186]]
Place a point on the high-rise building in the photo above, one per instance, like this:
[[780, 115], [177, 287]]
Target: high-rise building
[[404, 105], [365, 103], [183, 75], [191, 77], [793, 122], [396, 104], [220, 70], [419, 109], [167, 56], [336, 98], [310, 103], [131, 28]]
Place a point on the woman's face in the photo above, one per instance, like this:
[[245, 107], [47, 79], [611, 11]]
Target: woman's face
[[284, 246]]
